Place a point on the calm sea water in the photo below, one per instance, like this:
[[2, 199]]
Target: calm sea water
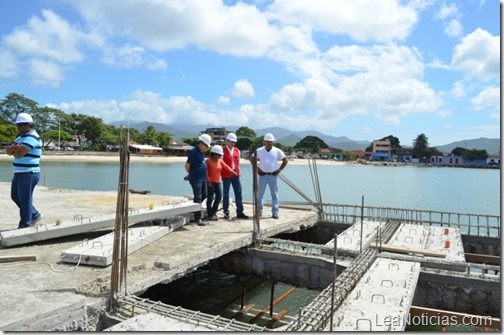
[[460, 190]]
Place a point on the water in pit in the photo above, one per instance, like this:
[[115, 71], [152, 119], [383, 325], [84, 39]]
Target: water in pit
[[219, 293]]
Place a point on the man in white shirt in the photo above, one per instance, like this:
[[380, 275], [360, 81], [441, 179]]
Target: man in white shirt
[[268, 170]]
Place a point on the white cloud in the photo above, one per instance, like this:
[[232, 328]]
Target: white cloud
[[382, 81], [362, 20], [45, 73], [453, 28], [458, 89], [168, 25], [444, 113], [8, 65], [243, 88], [223, 100], [50, 37], [478, 54], [488, 98], [447, 10]]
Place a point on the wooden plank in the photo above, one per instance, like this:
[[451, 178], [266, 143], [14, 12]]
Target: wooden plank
[[247, 308], [485, 259], [405, 250], [19, 258], [460, 318]]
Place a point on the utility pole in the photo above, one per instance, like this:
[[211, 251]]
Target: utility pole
[[59, 134]]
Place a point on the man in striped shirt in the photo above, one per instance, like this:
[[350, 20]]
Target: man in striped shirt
[[26, 150]]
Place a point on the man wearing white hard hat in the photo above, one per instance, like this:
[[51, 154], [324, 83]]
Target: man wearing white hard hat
[[215, 166], [26, 150], [232, 158], [195, 166], [268, 170]]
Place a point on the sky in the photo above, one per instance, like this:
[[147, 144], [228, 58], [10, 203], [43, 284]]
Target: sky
[[365, 69]]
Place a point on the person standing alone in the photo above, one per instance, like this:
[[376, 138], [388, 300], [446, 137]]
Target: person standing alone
[[196, 168], [232, 158], [26, 150], [268, 170]]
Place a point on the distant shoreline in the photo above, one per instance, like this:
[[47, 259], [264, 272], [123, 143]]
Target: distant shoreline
[[114, 157]]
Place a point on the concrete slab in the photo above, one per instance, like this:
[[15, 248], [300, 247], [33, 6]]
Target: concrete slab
[[65, 284], [155, 322], [82, 224], [349, 242], [99, 251], [437, 239], [381, 300]]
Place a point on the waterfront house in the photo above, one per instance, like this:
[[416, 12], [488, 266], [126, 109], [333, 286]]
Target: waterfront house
[[443, 160], [381, 150]]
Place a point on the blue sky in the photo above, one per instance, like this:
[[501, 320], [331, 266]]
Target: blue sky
[[364, 69]]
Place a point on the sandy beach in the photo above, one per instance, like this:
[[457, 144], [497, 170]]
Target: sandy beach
[[107, 157]]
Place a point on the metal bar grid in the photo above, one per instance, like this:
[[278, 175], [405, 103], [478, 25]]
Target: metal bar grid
[[140, 306], [470, 224], [315, 316]]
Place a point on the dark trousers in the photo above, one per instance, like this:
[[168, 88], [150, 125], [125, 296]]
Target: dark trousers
[[199, 194], [22, 188], [213, 202], [237, 189]]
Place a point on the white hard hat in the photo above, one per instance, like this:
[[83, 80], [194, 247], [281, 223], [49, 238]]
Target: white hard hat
[[23, 118], [269, 137], [205, 138], [217, 149], [231, 137]]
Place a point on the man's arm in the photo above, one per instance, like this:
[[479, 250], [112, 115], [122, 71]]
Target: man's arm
[[17, 150], [284, 164]]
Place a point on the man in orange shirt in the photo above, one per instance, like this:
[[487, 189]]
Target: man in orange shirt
[[215, 165]]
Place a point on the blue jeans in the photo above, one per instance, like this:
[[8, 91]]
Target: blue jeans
[[237, 189], [199, 194], [272, 182], [22, 188], [211, 203]]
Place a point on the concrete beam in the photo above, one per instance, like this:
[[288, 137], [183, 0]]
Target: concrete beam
[[99, 251], [381, 300], [82, 224]]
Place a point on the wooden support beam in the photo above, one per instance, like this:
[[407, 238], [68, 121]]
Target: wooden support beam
[[277, 318], [405, 250], [19, 258], [459, 318], [485, 259], [247, 308], [265, 309]]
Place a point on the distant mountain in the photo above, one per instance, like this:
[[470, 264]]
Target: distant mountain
[[290, 138], [491, 145]]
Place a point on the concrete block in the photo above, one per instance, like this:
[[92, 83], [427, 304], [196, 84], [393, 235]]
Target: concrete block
[[86, 224], [99, 251]]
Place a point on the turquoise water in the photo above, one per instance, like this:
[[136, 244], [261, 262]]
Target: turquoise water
[[461, 190]]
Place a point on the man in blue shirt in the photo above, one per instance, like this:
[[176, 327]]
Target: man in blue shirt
[[196, 168], [26, 150]]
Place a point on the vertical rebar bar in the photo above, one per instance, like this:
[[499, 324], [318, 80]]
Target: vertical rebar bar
[[361, 223], [334, 278], [256, 221]]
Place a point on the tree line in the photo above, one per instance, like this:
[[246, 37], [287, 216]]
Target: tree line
[[52, 123]]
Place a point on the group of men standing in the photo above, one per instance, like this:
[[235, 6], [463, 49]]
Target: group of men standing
[[210, 178], [204, 184]]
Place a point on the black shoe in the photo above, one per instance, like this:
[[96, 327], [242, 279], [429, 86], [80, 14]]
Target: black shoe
[[242, 216], [275, 216], [201, 223], [226, 215]]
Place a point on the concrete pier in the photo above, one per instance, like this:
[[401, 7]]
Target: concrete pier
[[42, 294]]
